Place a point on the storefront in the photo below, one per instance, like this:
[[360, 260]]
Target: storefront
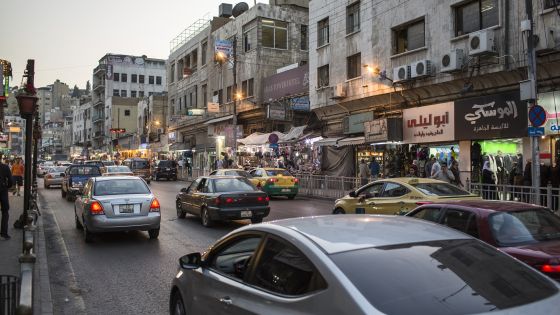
[[383, 138], [550, 143]]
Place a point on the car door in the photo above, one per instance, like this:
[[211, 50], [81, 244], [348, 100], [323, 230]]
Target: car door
[[367, 196], [198, 195], [393, 199], [461, 220], [187, 198]]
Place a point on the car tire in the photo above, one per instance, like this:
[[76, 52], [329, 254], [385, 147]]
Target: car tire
[[177, 305], [180, 213], [153, 233], [62, 192], [256, 220], [88, 236], [205, 217], [339, 211], [291, 197]]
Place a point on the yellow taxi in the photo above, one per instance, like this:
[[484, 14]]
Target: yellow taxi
[[275, 181], [398, 196]]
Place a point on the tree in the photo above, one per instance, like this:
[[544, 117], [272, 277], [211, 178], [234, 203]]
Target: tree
[[76, 92], [88, 88]]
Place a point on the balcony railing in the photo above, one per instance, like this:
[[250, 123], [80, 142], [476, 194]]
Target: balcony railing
[[97, 116], [99, 69]]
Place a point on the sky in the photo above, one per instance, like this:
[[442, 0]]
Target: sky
[[68, 37]]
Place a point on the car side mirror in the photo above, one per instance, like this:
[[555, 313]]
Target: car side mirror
[[352, 193], [191, 261], [184, 190]]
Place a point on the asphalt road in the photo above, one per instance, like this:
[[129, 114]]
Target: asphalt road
[[126, 273]]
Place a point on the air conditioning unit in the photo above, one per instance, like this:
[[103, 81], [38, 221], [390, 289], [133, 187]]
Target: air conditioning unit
[[452, 61], [401, 73], [481, 43], [339, 91], [545, 42], [422, 68], [160, 131]]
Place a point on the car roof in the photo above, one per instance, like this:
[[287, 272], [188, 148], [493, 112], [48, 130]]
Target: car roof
[[490, 205], [410, 180], [116, 177], [223, 176], [273, 168], [230, 169], [340, 233]]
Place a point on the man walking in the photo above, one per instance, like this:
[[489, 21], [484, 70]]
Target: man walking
[[5, 184], [374, 168], [17, 173], [444, 174]]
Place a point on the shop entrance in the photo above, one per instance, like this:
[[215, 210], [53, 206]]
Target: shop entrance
[[503, 154]]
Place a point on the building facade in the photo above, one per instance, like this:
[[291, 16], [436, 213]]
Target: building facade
[[152, 125], [82, 129]]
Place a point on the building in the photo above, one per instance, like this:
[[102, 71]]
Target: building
[[121, 76], [14, 126], [421, 61], [82, 129], [124, 111], [44, 102], [152, 125], [67, 139]]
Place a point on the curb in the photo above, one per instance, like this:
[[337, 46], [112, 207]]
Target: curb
[[42, 296]]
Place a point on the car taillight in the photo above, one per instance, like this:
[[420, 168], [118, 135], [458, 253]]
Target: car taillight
[[154, 206], [421, 203], [48, 176], [229, 200], [261, 199], [96, 208], [272, 180], [550, 268], [295, 180]]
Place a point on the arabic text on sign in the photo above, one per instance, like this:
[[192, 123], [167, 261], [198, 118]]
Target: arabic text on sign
[[486, 110], [425, 122]]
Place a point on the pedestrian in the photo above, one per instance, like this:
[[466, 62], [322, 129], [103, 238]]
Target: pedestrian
[[436, 167], [428, 166], [374, 168], [444, 174], [455, 170], [488, 182], [364, 172], [17, 173], [6, 183], [187, 165], [527, 181]]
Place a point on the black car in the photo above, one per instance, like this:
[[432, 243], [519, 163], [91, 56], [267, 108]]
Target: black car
[[165, 169], [223, 198], [75, 178]]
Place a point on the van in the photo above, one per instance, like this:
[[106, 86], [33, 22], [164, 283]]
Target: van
[[140, 167]]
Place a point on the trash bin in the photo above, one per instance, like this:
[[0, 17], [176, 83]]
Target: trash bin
[[9, 294]]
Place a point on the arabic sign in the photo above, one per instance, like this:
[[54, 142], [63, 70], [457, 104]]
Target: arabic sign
[[432, 123], [355, 123], [381, 130], [223, 46], [213, 107], [491, 117], [195, 112], [551, 103], [536, 131], [276, 112], [300, 103], [291, 82]]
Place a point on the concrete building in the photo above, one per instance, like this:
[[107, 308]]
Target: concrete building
[[60, 91], [152, 125], [82, 128], [122, 76], [67, 139], [14, 126], [45, 102], [388, 59]]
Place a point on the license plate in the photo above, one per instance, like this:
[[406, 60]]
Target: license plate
[[126, 208], [246, 214], [286, 190]]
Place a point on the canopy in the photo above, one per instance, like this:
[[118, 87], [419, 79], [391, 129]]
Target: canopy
[[327, 141], [294, 134], [352, 141], [258, 138]]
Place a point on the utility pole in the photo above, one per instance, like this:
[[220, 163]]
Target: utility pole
[[532, 76], [235, 97]]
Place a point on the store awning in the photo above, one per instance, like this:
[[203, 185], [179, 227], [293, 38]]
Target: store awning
[[178, 146], [258, 138], [294, 134], [219, 119], [327, 142], [352, 141]]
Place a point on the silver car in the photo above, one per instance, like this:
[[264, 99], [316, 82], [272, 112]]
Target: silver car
[[357, 264], [53, 176], [117, 203]]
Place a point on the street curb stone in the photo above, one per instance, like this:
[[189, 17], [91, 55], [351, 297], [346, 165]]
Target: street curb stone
[[42, 297]]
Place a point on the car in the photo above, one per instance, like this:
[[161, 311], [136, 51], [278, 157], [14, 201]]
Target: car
[[140, 167], [116, 204], [527, 232], [42, 169], [117, 170], [398, 196], [275, 181], [216, 198], [96, 162], [63, 163], [54, 176], [75, 177], [357, 264], [108, 163], [231, 172], [165, 169]]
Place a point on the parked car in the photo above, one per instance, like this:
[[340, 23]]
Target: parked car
[[114, 204], [54, 176], [528, 232], [231, 172], [357, 264], [275, 181], [42, 168], [75, 177], [117, 170], [140, 167], [107, 163], [165, 169], [222, 198], [398, 196]]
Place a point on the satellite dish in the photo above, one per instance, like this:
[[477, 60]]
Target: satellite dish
[[239, 8]]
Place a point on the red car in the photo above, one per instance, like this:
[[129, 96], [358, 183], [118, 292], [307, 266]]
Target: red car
[[527, 232]]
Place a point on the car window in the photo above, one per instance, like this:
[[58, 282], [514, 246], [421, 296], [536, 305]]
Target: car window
[[372, 191], [524, 227], [461, 276], [208, 186], [87, 188], [120, 187], [235, 258], [233, 184], [428, 214], [236, 173], [193, 186], [439, 189], [257, 173], [166, 163], [201, 185], [394, 190], [140, 164], [278, 172], [460, 220], [84, 170]]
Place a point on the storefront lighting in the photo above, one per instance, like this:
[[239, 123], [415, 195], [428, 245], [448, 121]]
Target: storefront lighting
[[387, 142]]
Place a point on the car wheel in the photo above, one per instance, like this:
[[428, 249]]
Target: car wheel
[[154, 233], [256, 220], [62, 192], [205, 217], [180, 213], [178, 307], [88, 236], [339, 211], [291, 197]]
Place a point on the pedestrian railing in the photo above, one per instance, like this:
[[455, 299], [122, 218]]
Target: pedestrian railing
[[326, 186]]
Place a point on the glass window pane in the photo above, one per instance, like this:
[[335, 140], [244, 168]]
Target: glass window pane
[[428, 214], [468, 18], [489, 12], [281, 38], [268, 37], [235, 258]]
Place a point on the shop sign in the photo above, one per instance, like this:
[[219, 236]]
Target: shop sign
[[300, 103], [355, 123], [223, 46], [381, 130], [195, 112], [4, 138], [171, 136], [276, 112], [213, 107], [291, 82], [432, 123], [551, 104], [491, 117]]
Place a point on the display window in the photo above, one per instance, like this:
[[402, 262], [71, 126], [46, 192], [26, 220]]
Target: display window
[[504, 156]]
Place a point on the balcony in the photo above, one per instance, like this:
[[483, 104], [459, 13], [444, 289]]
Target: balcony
[[99, 86], [98, 102], [98, 134], [97, 117], [99, 69]]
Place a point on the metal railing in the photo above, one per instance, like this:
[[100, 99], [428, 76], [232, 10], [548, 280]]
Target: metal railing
[[326, 186], [9, 294]]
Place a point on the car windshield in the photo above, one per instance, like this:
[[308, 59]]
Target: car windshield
[[108, 163], [84, 170], [439, 189], [236, 173], [166, 164], [118, 169], [278, 172], [232, 184], [140, 164], [58, 169], [120, 187], [462, 276], [524, 227]]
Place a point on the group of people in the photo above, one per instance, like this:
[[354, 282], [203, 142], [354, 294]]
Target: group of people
[[11, 172]]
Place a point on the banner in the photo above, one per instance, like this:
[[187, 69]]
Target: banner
[[223, 46], [432, 123], [213, 107], [287, 83]]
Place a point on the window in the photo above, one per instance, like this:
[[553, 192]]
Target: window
[[249, 36], [151, 79], [116, 77], [409, 37], [274, 34], [124, 77], [141, 79], [353, 66], [283, 269], [550, 4], [203, 52], [204, 95], [250, 88], [132, 93], [123, 93], [236, 257], [476, 15], [158, 80], [150, 93], [127, 112], [353, 18], [323, 32], [323, 76], [115, 92], [304, 43], [140, 93], [393, 190], [428, 214], [229, 94], [134, 77], [463, 221], [372, 190]]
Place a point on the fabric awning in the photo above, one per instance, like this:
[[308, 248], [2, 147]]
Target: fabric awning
[[294, 134], [219, 119], [327, 142], [178, 146], [258, 138], [352, 141]]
